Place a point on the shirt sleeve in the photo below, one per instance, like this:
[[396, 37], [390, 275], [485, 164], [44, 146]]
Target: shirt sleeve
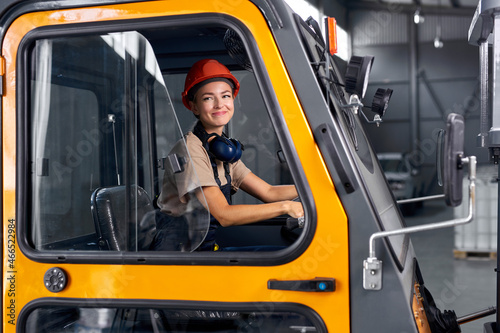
[[197, 173], [199, 164], [238, 172]]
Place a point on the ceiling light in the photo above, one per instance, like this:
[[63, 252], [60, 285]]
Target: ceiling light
[[438, 43], [418, 17]]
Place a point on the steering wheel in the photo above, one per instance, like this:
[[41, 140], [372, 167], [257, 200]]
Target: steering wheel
[[294, 223]]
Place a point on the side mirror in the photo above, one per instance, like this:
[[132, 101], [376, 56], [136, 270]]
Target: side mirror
[[452, 159]]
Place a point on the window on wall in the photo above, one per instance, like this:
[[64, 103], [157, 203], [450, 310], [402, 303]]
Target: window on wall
[[107, 126]]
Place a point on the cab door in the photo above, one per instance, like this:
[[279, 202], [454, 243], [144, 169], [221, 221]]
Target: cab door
[[93, 123]]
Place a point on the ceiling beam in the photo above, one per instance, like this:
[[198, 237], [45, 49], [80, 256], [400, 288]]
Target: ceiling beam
[[404, 8]]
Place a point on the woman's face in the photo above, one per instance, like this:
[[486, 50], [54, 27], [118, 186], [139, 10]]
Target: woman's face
[[214, 104]]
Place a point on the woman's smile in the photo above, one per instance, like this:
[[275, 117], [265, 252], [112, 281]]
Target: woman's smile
[[219, 113]]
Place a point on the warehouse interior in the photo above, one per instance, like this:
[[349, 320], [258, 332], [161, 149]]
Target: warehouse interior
[[422, 53]]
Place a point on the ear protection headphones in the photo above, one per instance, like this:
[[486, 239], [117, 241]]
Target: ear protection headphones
[[225, 149]]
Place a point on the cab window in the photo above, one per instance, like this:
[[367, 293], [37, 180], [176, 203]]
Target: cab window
[[106, 124], [138, 318]]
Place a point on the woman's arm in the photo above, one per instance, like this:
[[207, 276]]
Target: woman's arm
[[258, 188], [228, 215]]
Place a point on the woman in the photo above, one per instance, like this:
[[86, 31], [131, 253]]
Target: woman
[[209, 93]]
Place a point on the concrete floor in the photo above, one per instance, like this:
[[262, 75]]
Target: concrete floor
[[462, 285]]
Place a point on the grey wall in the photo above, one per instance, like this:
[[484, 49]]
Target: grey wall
[[428, 83]]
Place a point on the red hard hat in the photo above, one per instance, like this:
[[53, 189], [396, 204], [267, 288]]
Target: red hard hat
[[203, 70]]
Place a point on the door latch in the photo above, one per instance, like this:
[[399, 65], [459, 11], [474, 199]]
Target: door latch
[[314, 285]]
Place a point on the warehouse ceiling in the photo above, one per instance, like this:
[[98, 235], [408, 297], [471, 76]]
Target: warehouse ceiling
[[443, 3], [431, 6]]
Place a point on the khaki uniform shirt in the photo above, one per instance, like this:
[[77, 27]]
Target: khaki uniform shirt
[[177, 188]]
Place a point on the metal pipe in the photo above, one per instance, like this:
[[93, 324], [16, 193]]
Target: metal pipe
[[495, 118], [427, 198], [497, 317], [414, 106], [476, 315], [423, 76], [484, 92]]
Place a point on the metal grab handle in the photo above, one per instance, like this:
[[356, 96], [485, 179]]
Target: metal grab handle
[[439, 225], [372, 267]]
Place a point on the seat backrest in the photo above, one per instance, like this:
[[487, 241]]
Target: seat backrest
[[111, 212]]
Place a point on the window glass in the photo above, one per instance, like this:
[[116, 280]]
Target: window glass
[[250, 125], [393, 165], [94, 164], [141, 320], [262, 154], [108, 136]]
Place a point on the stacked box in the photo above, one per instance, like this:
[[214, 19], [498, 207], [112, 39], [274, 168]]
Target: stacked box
[[480, 235]]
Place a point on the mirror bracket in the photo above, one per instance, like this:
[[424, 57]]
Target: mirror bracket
[[460, 161], [354, 103], [376, 119]]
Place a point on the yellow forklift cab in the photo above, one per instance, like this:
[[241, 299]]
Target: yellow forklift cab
[[91, 110]]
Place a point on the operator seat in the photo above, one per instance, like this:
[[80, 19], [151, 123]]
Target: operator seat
[[109, 211]]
